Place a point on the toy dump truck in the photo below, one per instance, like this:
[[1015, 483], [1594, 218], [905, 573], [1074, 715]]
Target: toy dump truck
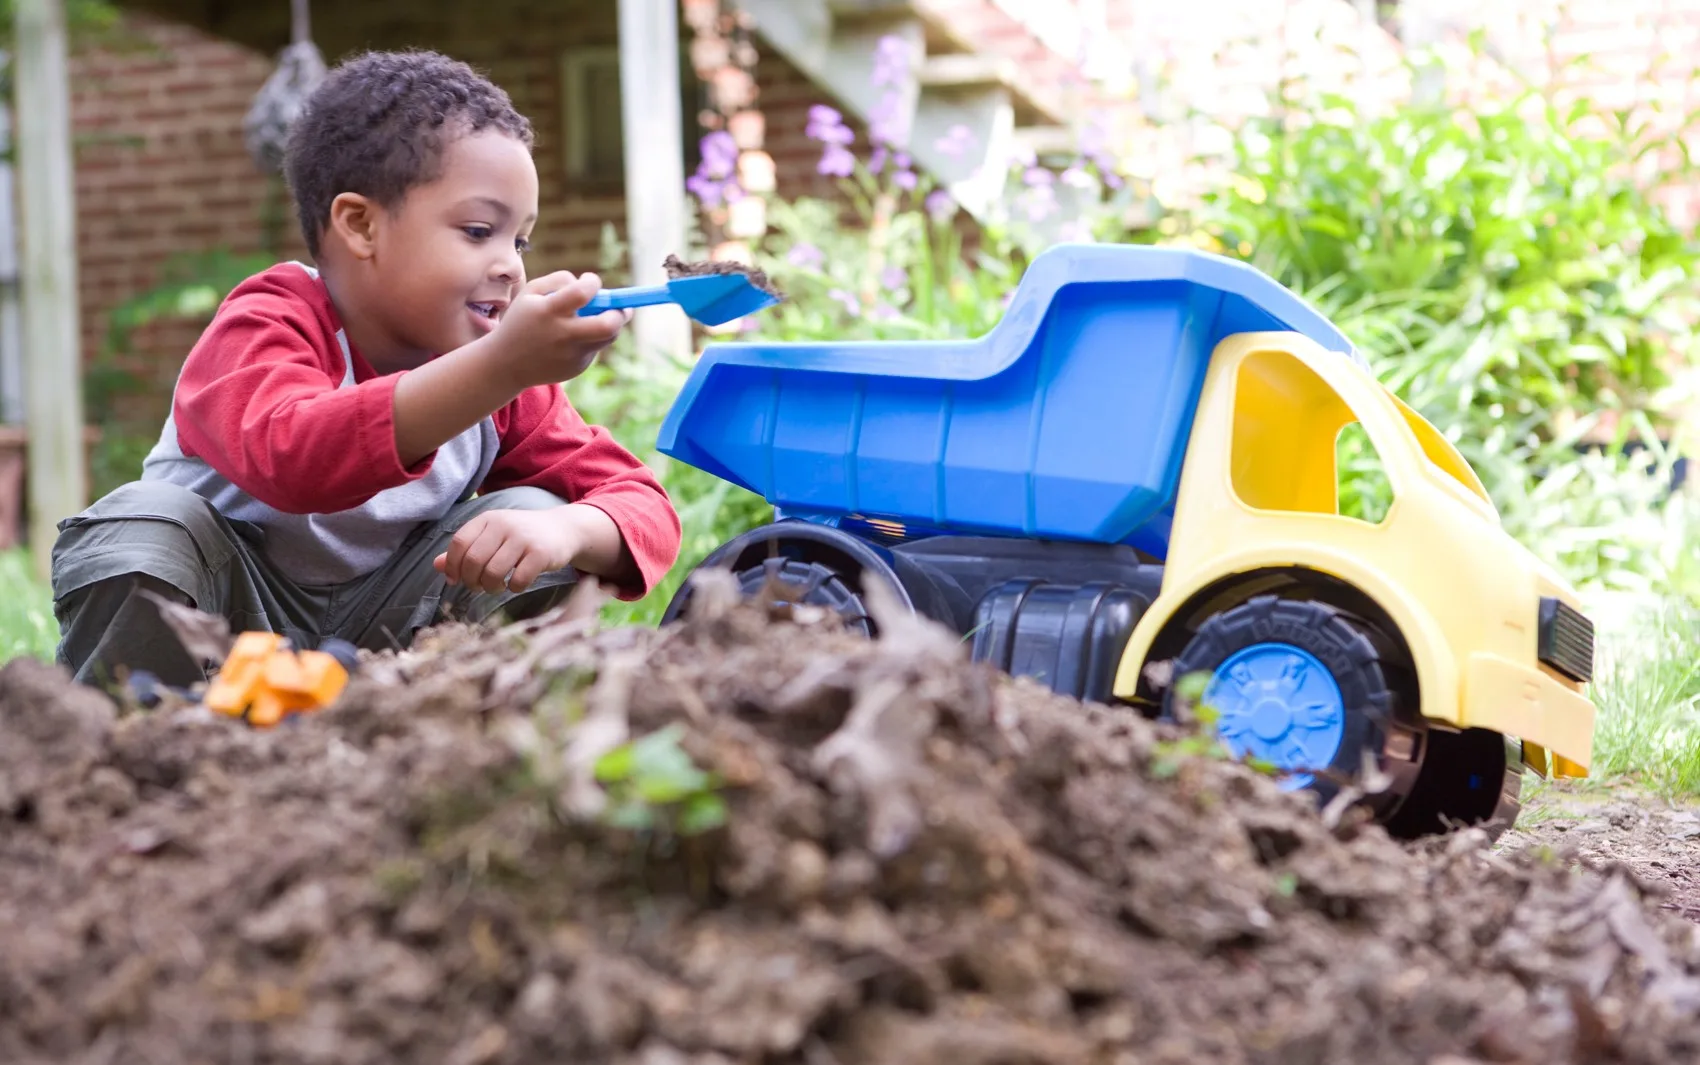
[[1137, 467]]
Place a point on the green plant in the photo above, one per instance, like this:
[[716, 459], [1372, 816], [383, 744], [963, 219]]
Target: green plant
[[27, 625], [190, 287], [891, 257], [630, 396], [1507, 277], [1647, 690], [1203, 740], [653, 784]]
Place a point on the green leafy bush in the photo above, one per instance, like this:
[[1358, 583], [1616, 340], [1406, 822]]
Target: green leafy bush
[[1507, 278]]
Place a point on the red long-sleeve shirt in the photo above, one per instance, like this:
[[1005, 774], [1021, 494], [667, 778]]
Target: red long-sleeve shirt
[[279, 421]]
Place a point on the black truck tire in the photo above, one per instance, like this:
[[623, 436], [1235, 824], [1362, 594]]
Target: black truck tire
[[1442, 779], [1296, 636]]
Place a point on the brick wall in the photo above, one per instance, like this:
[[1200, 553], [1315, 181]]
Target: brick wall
[[163, 169], [160, 169]]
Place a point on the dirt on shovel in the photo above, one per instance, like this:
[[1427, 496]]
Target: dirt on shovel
[[677, 268], [744, 839]]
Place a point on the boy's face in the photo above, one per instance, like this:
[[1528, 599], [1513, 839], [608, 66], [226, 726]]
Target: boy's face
[[446, 262]]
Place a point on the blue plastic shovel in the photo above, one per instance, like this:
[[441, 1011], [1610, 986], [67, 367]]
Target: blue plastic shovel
[[712, 299]]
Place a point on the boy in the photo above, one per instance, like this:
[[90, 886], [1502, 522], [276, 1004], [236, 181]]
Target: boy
[[330, 427]]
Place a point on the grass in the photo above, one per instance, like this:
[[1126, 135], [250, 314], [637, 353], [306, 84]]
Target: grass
[[1647, 690], [27, 626]]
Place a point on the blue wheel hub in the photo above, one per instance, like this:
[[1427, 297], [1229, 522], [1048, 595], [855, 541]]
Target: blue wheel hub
[[1279, 703]]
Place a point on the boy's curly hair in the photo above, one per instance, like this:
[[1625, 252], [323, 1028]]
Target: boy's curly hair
[[377, 125]]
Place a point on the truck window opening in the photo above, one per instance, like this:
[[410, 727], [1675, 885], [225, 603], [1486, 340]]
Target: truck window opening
[[1291, 450], [1365, 492]]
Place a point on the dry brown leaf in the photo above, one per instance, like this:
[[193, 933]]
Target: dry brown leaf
[[876, 754], [714, 594], [205, 636], [604, 727]]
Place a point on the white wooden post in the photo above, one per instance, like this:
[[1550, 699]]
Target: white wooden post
[[11, 326], [52, 350], [654, 163]]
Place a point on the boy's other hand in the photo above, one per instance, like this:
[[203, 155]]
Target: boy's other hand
[[525, 543], [542, 339]]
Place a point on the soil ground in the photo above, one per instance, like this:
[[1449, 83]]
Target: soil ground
[[1618, 823], [920, 861]]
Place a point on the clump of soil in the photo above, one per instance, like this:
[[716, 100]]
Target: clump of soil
[[677, 268], [921, 861]]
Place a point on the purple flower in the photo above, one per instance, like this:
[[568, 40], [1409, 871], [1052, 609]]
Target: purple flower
[[1095, 135], [822, 117], [827, 126], [940, 205], [1095, 147], [905, 180], [1037, 177], [719, 153], [893, 278], [836, 161], [891, 60], [883, 312], [852, 306], [886, 120], [706, 189], [877, 159], [805, 255], [955, 142], [712, 183], [1040, 201]]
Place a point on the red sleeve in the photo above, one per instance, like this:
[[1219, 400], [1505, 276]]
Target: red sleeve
[[547, 444], [258, 400]]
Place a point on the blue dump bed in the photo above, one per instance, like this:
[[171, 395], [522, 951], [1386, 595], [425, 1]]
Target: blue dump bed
[[1068, 420]]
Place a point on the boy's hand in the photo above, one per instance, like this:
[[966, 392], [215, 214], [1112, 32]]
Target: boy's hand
[[525, 543], [542, 339]]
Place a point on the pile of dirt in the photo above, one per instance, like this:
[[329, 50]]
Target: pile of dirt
[[918, 860]]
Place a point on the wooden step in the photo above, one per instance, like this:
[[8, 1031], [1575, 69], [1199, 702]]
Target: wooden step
[[864, 15], [856, 10], [1048, 142], [973, 72]]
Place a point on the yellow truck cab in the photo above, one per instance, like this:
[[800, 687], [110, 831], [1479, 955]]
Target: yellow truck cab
[[1488, 641]]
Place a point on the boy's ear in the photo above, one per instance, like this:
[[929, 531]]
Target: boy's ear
[[354, 224]]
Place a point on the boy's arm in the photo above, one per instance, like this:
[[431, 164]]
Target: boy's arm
[[547, 444], [541, 339], [262, 403]]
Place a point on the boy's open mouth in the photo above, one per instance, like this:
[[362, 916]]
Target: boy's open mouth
[[485, 315]]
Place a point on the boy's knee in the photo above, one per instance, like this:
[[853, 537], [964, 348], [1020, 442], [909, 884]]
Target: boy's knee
[[145, 527]]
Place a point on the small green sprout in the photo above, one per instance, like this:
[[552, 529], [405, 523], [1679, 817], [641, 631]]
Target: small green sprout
[[653, 775]]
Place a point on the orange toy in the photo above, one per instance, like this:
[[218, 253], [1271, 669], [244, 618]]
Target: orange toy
[[264, 679]]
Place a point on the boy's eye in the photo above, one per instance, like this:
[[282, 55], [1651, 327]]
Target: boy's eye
[[476, 232], [522, 244]]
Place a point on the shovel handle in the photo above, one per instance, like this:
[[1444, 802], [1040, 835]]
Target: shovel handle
[[613, 299]]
